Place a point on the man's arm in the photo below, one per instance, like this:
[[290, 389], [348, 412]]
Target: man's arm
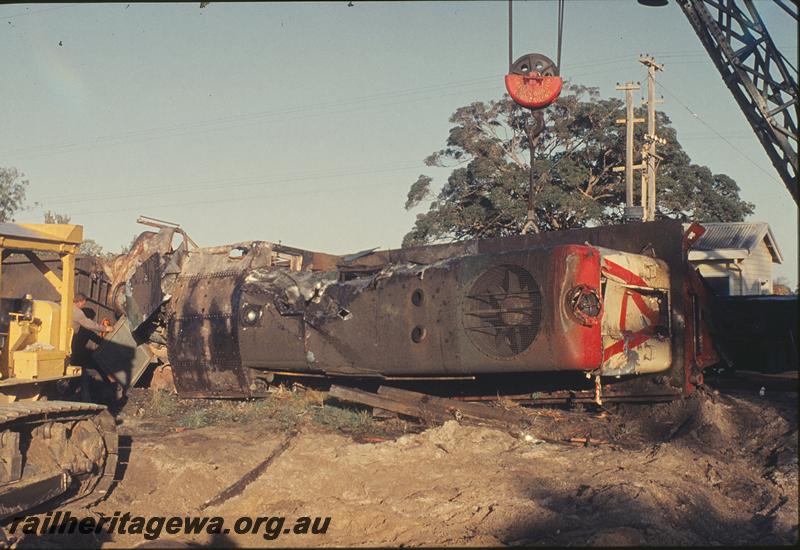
[[81, 318]]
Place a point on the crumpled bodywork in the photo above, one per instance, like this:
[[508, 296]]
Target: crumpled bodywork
[[142, 278], [636, 323]]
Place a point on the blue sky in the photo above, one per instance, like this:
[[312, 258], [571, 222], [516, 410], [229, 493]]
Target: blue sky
[[305, 123]]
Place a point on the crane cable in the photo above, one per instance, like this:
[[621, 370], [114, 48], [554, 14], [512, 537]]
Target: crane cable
[[511, 35], [560, 32], [536, 113]]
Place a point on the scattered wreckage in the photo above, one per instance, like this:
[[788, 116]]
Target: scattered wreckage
[[600, 313]]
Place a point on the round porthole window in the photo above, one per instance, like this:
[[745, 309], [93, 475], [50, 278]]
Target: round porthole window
[[251, 314]]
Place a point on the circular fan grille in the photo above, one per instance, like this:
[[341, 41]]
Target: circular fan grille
[[502, 311]]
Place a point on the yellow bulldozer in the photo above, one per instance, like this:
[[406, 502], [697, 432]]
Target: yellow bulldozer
[[51, 451]]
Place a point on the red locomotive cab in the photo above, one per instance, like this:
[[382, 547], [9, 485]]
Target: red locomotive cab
[[614, 318], [577, 339]]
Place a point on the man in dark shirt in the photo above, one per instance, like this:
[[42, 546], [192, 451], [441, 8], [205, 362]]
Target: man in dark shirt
[[85, 330], [79, 318]]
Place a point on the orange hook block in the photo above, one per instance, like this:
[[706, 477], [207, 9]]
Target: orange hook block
[[532, 89]]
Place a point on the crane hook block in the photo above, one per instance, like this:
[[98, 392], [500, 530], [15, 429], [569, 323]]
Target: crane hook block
[[533, 81], [533, 90]]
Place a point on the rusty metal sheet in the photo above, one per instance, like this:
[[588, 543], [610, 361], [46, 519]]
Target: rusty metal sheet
[[121, 356], [143, 294], [468, 314], [203, 348], [20, 277], [202, 324], [121, 269]]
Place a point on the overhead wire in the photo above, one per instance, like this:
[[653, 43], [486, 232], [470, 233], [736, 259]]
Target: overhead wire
[[216, 184], [244, 120], [52, 8], [258, 117], [216, 201], [718, 134], [252, 119], [71, 148]]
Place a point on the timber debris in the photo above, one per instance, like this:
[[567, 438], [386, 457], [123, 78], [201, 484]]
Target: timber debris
[[431, 409]]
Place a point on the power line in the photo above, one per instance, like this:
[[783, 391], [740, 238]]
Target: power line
[[236, 199], [718, 134], [22, 14], [258, 114], [258, 117], [71, 148], [216, 184]]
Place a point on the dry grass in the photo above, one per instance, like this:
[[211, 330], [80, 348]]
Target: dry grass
[[284, 409], [507, 404]]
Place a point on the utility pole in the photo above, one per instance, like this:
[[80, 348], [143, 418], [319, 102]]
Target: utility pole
[[631, 213], [649, 151]]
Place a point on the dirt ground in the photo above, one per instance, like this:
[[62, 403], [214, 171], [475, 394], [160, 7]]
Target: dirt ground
[[714, 469]]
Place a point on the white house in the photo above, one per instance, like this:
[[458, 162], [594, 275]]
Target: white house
[[736, 258]]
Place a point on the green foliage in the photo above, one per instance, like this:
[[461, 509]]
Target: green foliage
[[487, 192], [53, 217], [782, 287], [345, 419], [123, 249], [13, 187], [419, 191], [91, 248], [161, 404]]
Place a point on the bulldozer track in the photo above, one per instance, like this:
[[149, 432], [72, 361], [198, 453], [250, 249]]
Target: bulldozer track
[[24, 415]]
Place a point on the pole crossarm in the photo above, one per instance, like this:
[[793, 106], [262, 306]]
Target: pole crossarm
[[630, 213]]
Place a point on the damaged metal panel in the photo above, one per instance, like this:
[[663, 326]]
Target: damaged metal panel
[[469, 314], [122, 356], [272, 328], [202, 345], [122, 268], [143, 276], [202, 319], [143, 291]]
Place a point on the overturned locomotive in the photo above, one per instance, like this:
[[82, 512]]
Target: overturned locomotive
[[616, 305]]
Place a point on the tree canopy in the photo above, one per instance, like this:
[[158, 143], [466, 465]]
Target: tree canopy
[[89, 247], [13, 187], [486, 194]]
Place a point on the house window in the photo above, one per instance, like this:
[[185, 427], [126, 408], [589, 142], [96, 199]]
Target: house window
[[719, 285]]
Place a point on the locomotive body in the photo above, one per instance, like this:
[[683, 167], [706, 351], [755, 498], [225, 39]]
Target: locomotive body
[[608, 302]]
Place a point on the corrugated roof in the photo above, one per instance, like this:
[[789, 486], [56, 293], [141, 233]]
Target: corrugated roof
[[19, 231], [737, 235]]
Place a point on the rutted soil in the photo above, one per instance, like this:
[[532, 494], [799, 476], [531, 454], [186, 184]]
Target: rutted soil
[[709, 470]]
